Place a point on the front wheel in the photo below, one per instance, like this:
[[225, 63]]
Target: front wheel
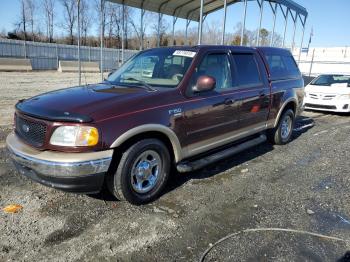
[[142, 172], [282, 133]]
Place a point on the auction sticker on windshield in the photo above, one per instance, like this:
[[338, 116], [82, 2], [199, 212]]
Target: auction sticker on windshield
[[184, 53]]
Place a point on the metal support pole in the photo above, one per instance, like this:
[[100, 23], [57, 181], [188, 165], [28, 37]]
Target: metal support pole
[[141, 25], [285, 27], [25, 48], [101, 38], [312, 61], [261, 5], [200, 28], [188, 21], [173, 36], [160, 16], [224, 23], [295, 19], [346, 49], [89, 53], [243, 22], [302, 38], [57, 56], [274, 11], [123, 30], [79, 60]]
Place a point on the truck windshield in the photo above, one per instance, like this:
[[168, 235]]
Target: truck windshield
[[156, 68]]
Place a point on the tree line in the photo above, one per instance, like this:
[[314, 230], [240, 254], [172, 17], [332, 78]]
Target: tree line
[[45, 20]]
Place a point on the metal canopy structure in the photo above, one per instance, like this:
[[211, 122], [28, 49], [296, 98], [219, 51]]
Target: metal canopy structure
[[197, 10], [190, 9]]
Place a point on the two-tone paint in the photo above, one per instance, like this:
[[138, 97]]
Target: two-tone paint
[[190, 123]]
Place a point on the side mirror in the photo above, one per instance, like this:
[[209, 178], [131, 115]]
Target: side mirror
[[109, 74], [204, 83]]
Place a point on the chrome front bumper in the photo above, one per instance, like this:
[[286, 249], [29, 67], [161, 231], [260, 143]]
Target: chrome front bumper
[[67, 171]]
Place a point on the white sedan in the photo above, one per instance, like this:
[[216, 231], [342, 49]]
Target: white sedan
[[328, 93]]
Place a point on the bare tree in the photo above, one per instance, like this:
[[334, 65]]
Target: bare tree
[[212, 33], [49, 10], [100, 7], [163, 25], [128, 12], [70, 17], [85, 20], [30, 9], [22, 23], [113, 22], [140, 32]]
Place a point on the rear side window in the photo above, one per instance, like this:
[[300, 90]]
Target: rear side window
[[247, 70], [282, 66], [292, 67]]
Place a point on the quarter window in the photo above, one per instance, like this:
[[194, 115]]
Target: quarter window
[[282, 66]]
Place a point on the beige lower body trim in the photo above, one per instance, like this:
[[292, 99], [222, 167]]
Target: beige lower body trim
[[206, 145]]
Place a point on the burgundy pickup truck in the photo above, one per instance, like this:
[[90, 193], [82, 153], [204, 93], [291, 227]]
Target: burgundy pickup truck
[[181, 106]]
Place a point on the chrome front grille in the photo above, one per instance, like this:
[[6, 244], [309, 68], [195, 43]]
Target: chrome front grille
[[30, 131]]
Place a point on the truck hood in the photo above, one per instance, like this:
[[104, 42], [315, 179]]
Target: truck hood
[[79, 104], [339, 89]]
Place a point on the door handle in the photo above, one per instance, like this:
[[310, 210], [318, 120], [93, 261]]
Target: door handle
[[229, 101], [262, 94]]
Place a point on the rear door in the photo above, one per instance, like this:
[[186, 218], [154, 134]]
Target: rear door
[[255, 91]]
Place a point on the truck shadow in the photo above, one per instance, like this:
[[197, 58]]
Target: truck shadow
[[302, 125]]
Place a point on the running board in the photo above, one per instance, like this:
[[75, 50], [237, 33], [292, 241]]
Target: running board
[[188, 166]]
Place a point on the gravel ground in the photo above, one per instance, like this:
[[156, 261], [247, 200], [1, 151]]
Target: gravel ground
[[300, 186], [15, 86]]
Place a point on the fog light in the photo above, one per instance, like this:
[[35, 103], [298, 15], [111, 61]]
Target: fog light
[[346, 106]]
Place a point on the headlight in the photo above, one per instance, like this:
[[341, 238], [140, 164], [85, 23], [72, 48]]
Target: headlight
[[74, 136], [344, 97]]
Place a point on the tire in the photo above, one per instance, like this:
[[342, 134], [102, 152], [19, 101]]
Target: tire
[[142, 172], [279, 135]]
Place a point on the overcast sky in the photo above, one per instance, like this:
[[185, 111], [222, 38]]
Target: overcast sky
[[330, 20]]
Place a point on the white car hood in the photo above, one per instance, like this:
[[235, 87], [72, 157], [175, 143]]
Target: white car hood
[[339, 89]]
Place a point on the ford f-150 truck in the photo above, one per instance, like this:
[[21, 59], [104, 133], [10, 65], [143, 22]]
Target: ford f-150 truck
[[185, 107]]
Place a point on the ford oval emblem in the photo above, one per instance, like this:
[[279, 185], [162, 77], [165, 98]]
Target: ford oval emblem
[[25, 128]]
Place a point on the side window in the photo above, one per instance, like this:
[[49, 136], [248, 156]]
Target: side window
[[292, 67], [247, 70], [217, 66], [282, 66]]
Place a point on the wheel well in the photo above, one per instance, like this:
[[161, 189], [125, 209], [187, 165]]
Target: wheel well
[[290, 105], [150, 134]]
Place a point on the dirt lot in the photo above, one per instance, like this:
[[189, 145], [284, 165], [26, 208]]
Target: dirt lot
[[301, 186]]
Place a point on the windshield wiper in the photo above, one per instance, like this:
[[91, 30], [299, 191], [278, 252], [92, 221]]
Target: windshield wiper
[[144, 84]]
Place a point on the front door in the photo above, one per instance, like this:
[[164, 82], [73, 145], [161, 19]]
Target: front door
[[213, 116]]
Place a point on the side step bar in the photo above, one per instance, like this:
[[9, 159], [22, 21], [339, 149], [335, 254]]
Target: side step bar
[[188, 166]]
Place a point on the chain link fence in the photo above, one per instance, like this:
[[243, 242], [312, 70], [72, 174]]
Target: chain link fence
[[46, 56]]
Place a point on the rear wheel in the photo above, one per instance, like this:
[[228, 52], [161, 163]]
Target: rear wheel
[[282, 133], [142, 172]]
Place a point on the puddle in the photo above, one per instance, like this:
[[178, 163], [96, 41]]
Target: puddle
[[325, 184], [327, 221], [309, 158], [164, 206]]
